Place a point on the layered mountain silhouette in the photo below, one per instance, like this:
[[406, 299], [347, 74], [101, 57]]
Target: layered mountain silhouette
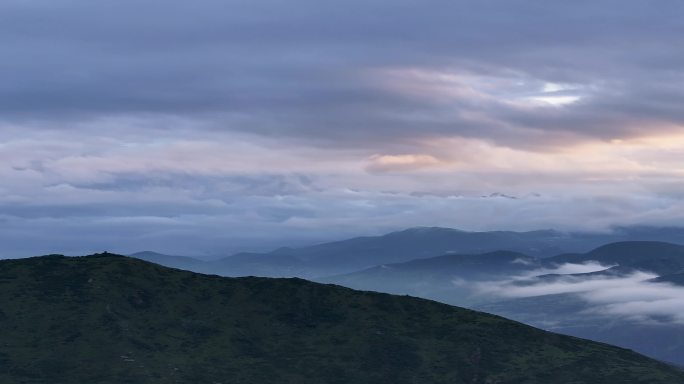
[[634, 253], [445, 278], [354, 254], [363, 252], [114, 319], [618, 258]]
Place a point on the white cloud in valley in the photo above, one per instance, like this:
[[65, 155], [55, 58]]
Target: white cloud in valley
[[632, 297]]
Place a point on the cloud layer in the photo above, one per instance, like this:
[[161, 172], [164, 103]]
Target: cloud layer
[[218, 126], [632, 298]]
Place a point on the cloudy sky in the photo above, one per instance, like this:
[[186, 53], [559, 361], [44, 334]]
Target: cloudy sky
[[211, 126]]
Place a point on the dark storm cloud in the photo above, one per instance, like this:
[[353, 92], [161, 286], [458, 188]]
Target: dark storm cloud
[[301, 69]]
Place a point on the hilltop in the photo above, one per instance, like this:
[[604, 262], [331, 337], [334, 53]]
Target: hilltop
[[114, 319]]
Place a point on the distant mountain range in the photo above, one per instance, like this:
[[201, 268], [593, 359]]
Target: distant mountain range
[[114, 319], [638, 254], [444, 278], [439, 277], [354, 254]]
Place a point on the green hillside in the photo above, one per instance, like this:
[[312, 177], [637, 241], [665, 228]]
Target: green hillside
[[113, 319]]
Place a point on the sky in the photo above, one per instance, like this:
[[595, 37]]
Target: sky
[[209, 127]]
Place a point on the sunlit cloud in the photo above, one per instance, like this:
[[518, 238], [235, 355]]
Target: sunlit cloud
[[556, 100], [399, 163], [474, 91]]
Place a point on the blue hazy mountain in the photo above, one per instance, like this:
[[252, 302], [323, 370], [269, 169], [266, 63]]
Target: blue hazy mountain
[[673, 278], [442, 277], [418, 243], [626, 253], [445, 278]]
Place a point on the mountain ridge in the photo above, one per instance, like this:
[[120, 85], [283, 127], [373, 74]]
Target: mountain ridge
[[353, 254], [115, 319]]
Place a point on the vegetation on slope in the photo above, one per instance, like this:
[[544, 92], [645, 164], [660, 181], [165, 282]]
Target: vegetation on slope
[[113, 319]]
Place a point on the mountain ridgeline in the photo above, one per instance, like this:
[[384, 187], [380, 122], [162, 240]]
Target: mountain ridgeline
[[114, 319], [438, 277], [351, 255]]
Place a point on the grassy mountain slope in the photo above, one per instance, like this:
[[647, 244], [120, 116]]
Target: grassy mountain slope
[[113, 319]]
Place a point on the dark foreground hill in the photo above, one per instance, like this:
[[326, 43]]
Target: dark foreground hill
[[113, 319]]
